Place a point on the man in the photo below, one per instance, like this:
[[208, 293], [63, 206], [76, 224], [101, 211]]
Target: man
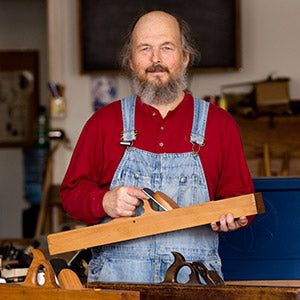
[[170, 142]]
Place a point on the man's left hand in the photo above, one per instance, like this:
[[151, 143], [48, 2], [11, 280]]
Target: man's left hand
[[227, 223]]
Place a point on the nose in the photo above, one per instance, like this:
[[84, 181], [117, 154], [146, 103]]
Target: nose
[[155, 58]]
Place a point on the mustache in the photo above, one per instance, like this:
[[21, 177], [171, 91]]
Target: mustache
[[157, 68]]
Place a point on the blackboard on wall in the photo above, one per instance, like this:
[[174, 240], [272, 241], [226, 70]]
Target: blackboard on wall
[[215, 27]]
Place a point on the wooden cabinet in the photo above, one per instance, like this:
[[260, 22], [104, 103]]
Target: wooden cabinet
[[281, 134]]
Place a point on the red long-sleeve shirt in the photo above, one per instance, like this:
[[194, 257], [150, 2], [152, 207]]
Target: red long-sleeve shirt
[[98, 153]]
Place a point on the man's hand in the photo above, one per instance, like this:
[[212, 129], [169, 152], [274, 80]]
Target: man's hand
[[227, 223], [122, 201]]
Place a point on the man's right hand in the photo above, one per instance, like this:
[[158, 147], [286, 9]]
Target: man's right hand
[[122, 201]]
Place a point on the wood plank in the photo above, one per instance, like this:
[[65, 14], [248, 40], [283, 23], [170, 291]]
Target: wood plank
[[153, 222], [194, 292], [16, 292], [278, 283]]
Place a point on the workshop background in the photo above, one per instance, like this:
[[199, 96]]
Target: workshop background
[[269, 47]]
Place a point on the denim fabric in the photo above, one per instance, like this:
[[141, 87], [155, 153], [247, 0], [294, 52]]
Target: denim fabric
[[128, 105], [181, 177]]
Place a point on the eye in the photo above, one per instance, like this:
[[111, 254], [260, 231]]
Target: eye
[[167, 48], [146, 48]]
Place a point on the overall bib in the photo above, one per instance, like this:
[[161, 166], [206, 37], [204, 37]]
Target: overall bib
[[181, 177]]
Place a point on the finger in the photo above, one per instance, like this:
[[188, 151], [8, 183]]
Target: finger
[[223, 224], [231, 224], [214, 226], [124, 205], [242, 221], [125, 195], [117, 202], [131, 201], [124, 209], [136, 192]]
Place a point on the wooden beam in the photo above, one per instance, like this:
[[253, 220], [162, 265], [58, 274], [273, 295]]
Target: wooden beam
[[277, 283], [153, 222], [196, 292], [17, 292]]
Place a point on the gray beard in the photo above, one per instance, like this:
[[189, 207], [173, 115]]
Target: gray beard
[[160, 93]]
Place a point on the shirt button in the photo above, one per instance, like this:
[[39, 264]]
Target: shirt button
[[154, 114], [183, 179], [162, 128], [161, 144], [136, 176]]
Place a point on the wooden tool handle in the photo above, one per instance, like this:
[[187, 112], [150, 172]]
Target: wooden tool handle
[[38, 262], [66, 277], [165, 200], [69, 280]]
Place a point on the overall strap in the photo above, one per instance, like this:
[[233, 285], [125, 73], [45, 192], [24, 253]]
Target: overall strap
[[128, 108], [199, 122]]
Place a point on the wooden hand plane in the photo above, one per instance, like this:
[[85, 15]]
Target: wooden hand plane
[[153, 222]]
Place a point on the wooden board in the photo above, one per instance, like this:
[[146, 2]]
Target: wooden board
[[17, 292], [278, 283], [153, 222], [187, 292]]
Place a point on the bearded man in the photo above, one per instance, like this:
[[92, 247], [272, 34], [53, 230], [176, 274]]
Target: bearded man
[[161, 138]]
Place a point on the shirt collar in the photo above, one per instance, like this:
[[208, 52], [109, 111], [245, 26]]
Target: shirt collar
[[151, 110]]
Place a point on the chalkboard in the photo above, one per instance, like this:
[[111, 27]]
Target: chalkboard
[[214, 26]]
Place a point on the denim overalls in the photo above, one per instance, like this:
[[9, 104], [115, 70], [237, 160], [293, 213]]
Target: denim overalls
[[181, 177]]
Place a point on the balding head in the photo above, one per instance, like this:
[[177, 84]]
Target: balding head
[[156, 24], [161, 17]]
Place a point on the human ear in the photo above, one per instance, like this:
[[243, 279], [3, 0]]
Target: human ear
[[131, 65], [186, 59]]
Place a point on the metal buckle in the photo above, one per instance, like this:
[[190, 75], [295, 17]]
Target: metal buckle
[[127, 144], [195, 153]]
